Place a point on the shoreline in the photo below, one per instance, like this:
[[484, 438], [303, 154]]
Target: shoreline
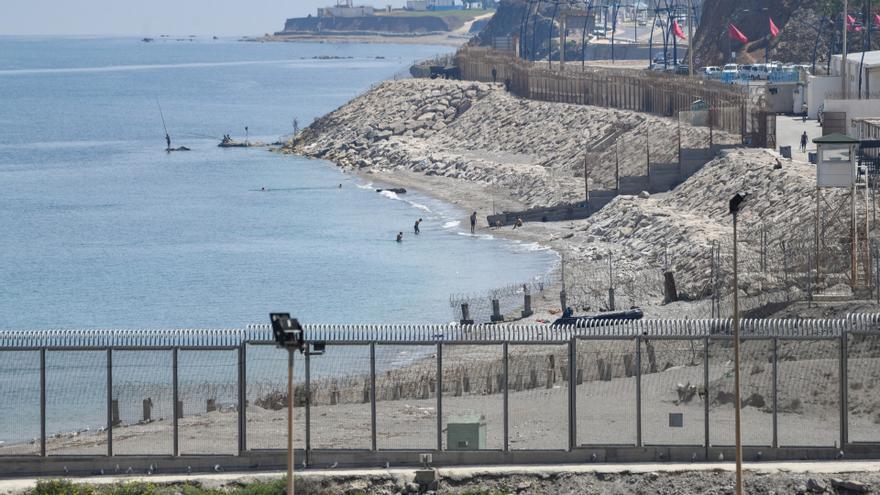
[[465, 197]]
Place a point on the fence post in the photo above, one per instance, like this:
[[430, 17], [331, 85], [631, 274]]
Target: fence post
[[439, 396], [308, 370], [242, 399], [638, 391], [706, 392], [844, 416], [175, 392], [572, 395], [109, 402], [505, 408], [775, 392], [373, 396], [43, 402]]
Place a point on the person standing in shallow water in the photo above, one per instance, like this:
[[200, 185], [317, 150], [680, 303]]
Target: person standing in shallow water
[[473, 222], [400, 237], [416, 226]]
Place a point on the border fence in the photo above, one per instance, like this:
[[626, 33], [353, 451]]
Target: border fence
[[653, 390], [733, 110]]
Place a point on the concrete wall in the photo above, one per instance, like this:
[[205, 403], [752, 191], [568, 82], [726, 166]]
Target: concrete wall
[[818, 89], [854, 109], [781, 97]]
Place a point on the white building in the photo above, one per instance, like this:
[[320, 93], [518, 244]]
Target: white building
[[868, 68], [346, 9], [430, 4], [841, 113]]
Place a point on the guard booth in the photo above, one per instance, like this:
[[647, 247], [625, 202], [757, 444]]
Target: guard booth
[[699, 114], [837, 167]]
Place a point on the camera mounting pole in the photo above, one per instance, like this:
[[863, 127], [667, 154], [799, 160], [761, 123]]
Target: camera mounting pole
[[289, 334]]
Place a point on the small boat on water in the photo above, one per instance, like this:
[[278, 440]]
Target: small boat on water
[[228, 142]]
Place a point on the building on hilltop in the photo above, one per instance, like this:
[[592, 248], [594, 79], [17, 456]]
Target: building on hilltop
[[421, 5], [345, 8]]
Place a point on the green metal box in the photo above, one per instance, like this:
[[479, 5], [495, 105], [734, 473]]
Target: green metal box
[[466, 433]]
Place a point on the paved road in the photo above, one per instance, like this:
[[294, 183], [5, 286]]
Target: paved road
[[828, 467], [788, 133]]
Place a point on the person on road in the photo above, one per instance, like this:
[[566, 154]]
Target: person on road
[[473, 222], [416, 226], [804, 142]]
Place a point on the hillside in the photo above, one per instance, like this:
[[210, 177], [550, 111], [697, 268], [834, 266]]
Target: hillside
[[798, 20]]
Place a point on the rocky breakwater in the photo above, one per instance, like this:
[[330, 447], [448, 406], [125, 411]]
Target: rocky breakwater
[[456, 138], [530, 152], [675, 231]]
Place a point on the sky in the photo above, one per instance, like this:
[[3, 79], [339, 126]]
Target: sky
[[155, 17]]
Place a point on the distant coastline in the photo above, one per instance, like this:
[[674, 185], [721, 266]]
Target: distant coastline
[[445, 39]]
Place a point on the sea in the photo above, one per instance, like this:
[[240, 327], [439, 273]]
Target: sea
[[100, 228]]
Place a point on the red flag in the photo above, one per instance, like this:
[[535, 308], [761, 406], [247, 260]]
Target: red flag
[[851, 24], [676, 30], [774, 31], [736, 34]]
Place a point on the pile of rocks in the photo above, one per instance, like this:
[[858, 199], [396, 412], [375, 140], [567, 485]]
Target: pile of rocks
[[532, 154], [477, 132]]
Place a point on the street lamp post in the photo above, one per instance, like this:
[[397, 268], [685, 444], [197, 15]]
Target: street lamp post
[[289, 335], [736, 203]]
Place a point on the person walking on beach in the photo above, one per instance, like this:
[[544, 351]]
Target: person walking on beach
[[518, 223], [473, 222], [804, 142], [416, 226], [400, 237]]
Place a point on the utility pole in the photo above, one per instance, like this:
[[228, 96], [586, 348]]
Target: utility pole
[[586, 181], [290, 462], [690, 19], [737, 405], [843, 85]]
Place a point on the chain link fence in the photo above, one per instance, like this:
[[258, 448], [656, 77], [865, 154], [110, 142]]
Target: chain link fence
[[380, 390]]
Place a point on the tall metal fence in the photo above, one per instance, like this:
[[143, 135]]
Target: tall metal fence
[[648, 390], [638, 90]]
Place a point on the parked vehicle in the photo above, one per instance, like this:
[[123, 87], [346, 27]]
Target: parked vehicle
[[682, 70], [660, 57], [711, 71]]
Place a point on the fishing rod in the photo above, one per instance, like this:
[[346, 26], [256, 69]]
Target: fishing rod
[[161, 114]]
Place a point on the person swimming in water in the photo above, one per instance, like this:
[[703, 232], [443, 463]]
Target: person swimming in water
[[416, 226], [400, 237]]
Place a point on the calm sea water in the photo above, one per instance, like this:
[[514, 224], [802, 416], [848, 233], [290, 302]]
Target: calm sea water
[[99, 227]]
